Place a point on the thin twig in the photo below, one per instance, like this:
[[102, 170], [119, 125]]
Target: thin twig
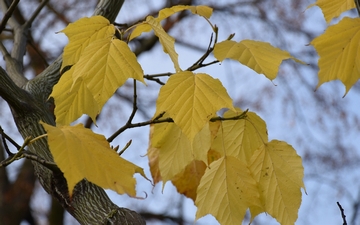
[[110, 139], [8, 14], [2, 133], [342, 213], [50, 165], [167, 120], [36, 13]]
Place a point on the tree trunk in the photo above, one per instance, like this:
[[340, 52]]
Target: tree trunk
[[29, 104]]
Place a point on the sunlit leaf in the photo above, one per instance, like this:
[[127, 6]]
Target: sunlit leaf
[[333, 8], [80, 153], [192, 100], [240, 138], [259, 56], [176, 151], [187, 181], [81, 33], [167, 42], [70, 103], [339, 52], [279, 173], [104, 66], [200, 10], [226, 191]]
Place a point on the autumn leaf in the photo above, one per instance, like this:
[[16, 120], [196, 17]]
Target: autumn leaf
[[192, 100], [226, 191], [261, 57], [175, 150], [70, 102], [82, 154], [105, 66], [240, 138], [201, 10], [187, 181], [279, 173], [81, 33], [338, 49], [333, 8]]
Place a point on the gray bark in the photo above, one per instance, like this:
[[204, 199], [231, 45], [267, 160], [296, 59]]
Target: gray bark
[[29, 104]]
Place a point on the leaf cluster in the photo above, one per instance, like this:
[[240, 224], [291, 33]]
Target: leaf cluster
[[225, 164]]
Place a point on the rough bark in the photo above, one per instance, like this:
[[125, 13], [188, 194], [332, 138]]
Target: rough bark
[[28, 102]]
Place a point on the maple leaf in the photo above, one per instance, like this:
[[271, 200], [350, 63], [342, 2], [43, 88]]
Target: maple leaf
[[338, 48], [226, 191], [333, 8], [261, 57], [279, 173], [192, 100], [81, 33], [176, 151], [82, 154], [70, 102], [240, 138]]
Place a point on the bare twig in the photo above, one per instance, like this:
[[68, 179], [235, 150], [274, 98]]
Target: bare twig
[[167, 120], [5, 136], [128, 123], [8, 14], [342, 213], [36, 13]]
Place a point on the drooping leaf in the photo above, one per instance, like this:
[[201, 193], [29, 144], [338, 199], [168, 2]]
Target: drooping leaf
[[226, 191], [339, 52], [187, 181], [240, 138], [279, 173], [153, 156], [80, 153], [81, 33], [105, 65], [176, 151], [70, 103], [167, 42], [201, 10], [191, 100], [333, 8], [262, 57]]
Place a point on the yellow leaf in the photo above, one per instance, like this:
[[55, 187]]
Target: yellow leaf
[[187, 181], [176, 151], [200, 10], [240, 138], [69, 103], [104, 66], [333, 8], [279, 173], [192, 100], [153, 156], [82, 154], [259, 56], [339, 53], [81, 33], [167, 42], [226, 191], [139, 29]]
